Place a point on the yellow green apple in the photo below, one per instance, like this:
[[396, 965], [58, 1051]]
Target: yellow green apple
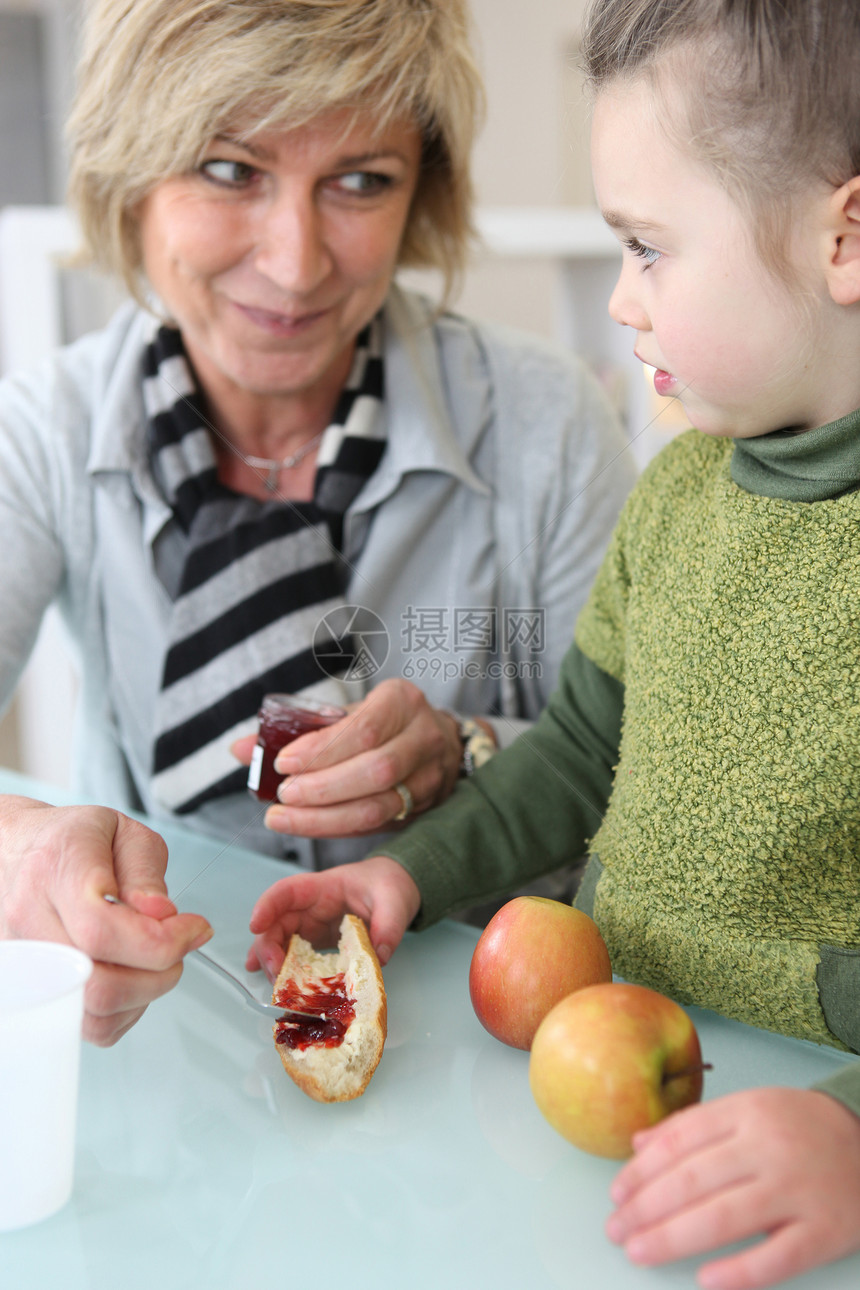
[[532, 954], [611, 1060]]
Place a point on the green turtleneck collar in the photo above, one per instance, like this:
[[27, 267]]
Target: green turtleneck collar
[[808, 467]]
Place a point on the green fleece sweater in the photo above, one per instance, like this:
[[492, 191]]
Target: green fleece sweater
[[705, 737]]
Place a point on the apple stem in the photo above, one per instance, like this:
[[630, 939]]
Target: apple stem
[[689, 1070]]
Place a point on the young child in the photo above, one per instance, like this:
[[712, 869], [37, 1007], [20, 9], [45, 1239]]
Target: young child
[[705, 734]]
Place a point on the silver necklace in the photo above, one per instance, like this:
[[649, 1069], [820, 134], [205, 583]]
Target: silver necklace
[[275, 465]]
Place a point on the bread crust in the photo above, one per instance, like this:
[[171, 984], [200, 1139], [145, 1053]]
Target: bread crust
[[343, 1073]]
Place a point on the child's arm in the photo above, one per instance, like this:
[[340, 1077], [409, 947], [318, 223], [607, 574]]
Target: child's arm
[[528, 811], [379, 890], [778, 1162]]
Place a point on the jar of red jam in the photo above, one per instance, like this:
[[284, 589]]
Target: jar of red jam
[[282, 718]]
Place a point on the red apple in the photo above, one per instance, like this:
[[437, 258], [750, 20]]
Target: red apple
[[611, 1060], [531, 954]]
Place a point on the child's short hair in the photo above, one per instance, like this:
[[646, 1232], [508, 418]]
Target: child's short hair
[[770, 91]]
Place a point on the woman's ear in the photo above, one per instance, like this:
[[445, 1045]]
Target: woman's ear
[[843, 246]]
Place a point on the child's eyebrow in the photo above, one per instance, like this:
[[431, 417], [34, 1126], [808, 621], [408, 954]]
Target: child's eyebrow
[[624, 221]]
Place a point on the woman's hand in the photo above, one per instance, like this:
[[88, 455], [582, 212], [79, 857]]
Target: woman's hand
[[379, 890], [56, 866], [342, 779], [778, 1162]]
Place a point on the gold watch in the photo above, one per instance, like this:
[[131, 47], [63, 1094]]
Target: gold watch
[[478, 747]]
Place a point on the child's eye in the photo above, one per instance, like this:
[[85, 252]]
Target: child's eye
[[231, 174], [644, 252], [364, 182]]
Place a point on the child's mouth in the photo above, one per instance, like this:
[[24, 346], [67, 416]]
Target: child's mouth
[[664, 382]]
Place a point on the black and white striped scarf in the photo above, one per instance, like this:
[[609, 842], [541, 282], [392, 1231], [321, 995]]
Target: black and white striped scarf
[[249, 580]]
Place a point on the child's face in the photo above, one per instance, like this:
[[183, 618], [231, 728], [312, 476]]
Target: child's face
[[727, 338]]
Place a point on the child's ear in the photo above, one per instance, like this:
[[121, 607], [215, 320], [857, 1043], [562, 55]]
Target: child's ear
[[843, 250]]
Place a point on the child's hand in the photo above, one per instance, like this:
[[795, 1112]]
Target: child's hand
[[379, 890], [776, 1161]]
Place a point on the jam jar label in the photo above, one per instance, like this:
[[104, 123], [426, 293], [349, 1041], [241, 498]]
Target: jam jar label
[[255, 768]]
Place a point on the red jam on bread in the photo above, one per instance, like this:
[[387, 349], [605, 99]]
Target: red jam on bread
[[332, 1060], [328, 996]]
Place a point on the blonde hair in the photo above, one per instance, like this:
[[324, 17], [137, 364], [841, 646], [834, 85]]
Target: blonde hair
[[764, 92], [159, 79]]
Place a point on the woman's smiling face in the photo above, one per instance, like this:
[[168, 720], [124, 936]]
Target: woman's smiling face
[[726, 337], [275, 253]]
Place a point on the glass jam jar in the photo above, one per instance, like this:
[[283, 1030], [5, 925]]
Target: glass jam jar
[[282, 718]]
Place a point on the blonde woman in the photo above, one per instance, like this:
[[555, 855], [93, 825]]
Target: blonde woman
[[271, 436]]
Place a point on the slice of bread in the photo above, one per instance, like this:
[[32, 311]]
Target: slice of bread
[[335, 1073]]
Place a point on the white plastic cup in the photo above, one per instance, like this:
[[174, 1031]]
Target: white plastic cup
[[41, 1011]]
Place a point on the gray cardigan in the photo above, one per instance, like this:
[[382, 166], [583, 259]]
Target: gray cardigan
[[501, 482]]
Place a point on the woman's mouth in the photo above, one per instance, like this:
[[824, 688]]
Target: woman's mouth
[[279, 324]]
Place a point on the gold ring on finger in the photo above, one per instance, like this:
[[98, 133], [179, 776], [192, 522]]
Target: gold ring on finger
[[407, 803]]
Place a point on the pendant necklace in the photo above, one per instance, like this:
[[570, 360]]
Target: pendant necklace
[[275, 465]]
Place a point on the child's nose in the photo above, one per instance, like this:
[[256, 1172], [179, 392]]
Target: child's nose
[[625, 306]]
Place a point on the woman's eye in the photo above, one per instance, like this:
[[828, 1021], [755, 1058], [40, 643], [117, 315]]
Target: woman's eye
[[234, 174], [364, 181], [644, 252]]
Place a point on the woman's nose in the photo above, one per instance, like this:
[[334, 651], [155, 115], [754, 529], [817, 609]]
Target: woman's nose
[[291, 249], [624, 303]]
